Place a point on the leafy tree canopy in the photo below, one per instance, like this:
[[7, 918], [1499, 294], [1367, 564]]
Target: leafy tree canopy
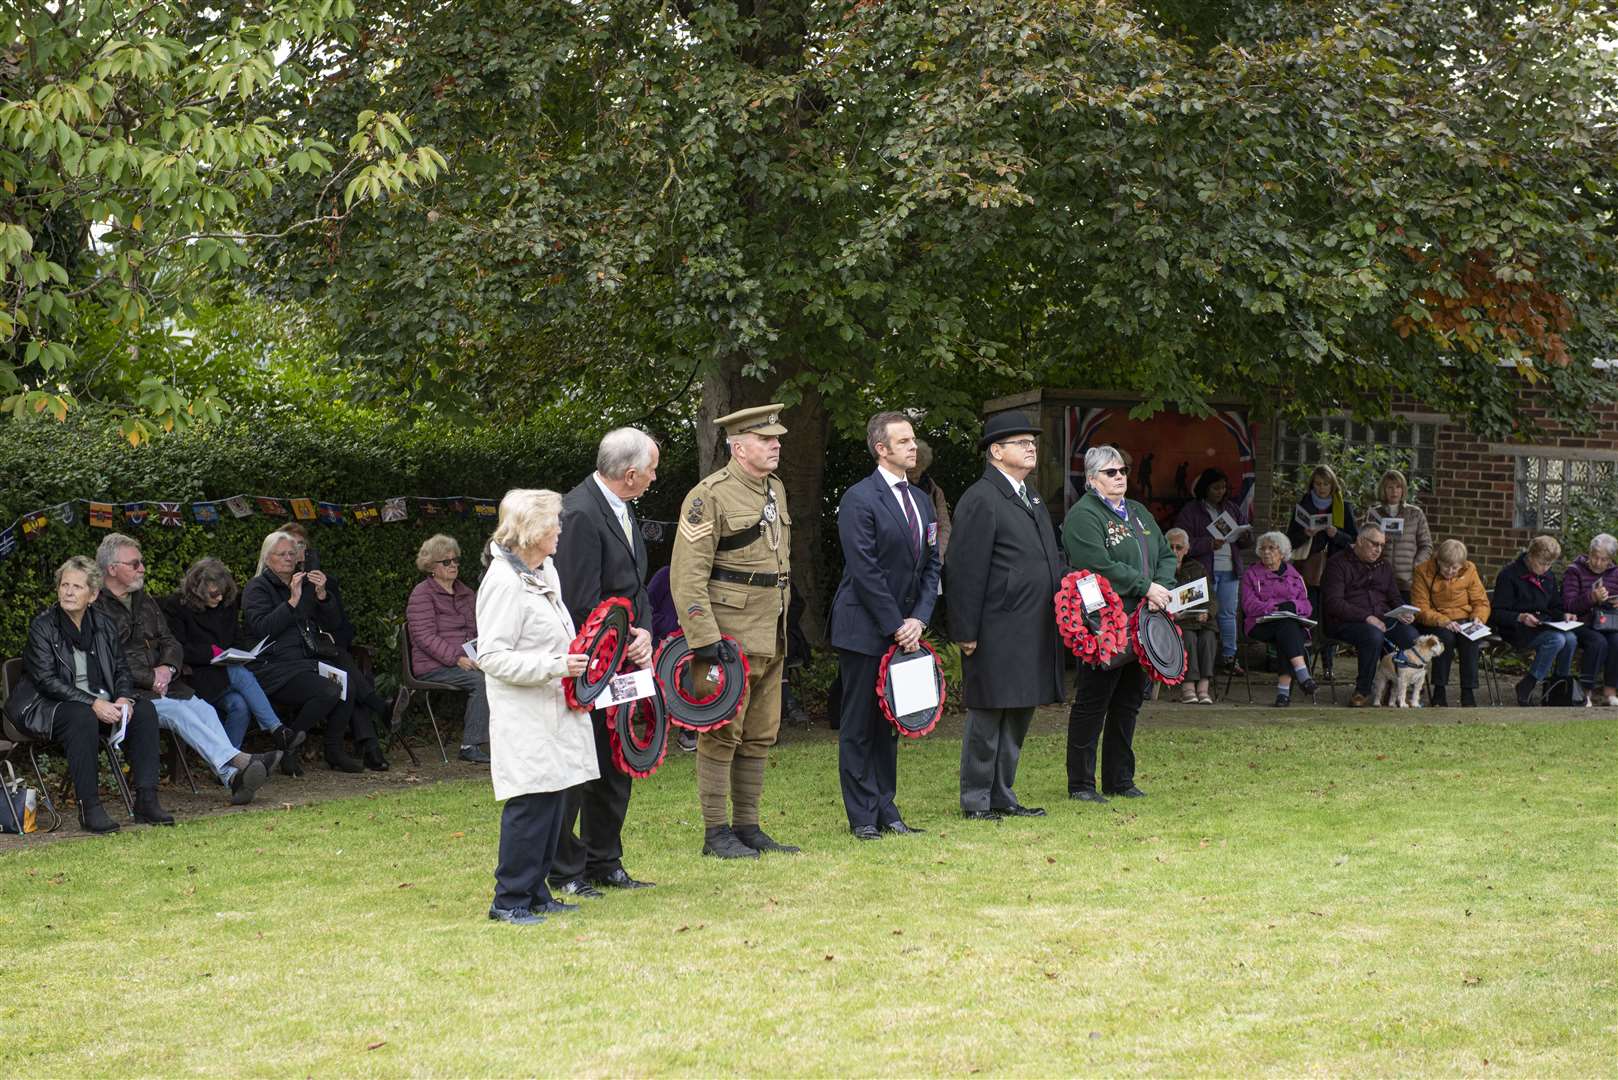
[[135, 139]]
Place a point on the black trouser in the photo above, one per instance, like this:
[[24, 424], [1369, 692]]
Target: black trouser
[[1104, 701], [319, 705], [1454, 643], [362, 698], [530, 826], [79, 732], [1599, 667], [1367, 641], [867, 745], [1289, 638], [599, 807]]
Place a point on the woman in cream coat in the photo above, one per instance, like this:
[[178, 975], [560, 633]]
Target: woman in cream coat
[[538, 746]]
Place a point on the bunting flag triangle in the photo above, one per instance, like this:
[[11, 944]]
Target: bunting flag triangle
[[33, 524], [270, 507], [102, 515], [135, 514], [486, 508], [8, 541], [238, 506], [303, 509], [329, 513], [394, 509], [365, 513], [67, 513], [168, 515], [205, 513], [430, 507]]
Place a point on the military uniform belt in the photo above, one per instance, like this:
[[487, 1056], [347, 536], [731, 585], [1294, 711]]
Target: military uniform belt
[[737, 577]]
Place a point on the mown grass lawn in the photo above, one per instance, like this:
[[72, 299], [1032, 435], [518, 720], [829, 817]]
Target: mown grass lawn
[[1313, 896]]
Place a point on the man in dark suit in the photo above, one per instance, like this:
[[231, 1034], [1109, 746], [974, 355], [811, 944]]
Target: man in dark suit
[[889, 586], [1000, 576], [600, 555]]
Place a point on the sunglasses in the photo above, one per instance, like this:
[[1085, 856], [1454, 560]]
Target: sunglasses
[[138, 564], [1122, 470], [449, 562]]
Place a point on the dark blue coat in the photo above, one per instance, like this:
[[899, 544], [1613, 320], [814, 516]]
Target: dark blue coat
[[884, 582], [1516, 590]]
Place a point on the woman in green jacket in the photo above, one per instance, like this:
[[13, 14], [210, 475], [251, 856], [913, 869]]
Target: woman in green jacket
[[1110, 535]]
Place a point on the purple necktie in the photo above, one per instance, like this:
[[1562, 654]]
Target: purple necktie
[[910, 516]]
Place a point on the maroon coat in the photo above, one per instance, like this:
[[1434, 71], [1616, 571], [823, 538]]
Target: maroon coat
[[1577, 581], [439, 623], [1352, 590]]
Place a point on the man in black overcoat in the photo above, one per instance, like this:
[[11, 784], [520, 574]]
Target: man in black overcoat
[[601, 554], [1001, 573]]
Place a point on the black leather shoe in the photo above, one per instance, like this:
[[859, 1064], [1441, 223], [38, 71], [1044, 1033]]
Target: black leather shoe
[[1309, 686], [372, 754], [555, 907], [287, 740], [1018, 811], [475, 754], [1088, 794], [1525, 690], [1440, 697], [1130, 792], [148, 811], [339, 759], [980, 815], [721, 843], [93, 817], [899, 828], [518, 916], [865, 832], [620, 879], [1469, 698], [291, 762], [1283, 700], [580, 888], [759, 840]]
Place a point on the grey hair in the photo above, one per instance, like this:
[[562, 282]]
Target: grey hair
[[270, 543], [1100, 457], [84, 565], [1278, 540], [1604, 543], [1176, 534], [623, 449], [436, 547], [1373, 527], [111, 544]]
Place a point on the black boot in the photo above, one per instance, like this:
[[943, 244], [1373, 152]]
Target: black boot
[[1440, 697], [339, 759], [1469, 699], [93, 816], [371, 752], [292, 761], [1525, 689], [148, 811], [286, 740], [720, 842], [759, 840]]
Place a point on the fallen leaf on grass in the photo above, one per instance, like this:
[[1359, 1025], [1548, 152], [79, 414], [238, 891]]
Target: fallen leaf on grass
[[457, 835], [829, 956], [898, 933], [376, 1045], [407, 884], [682, 929], [1050, 859], [1470, 980], [1050, 974]]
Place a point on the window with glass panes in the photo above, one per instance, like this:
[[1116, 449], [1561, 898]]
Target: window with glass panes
[[1296, 447], [1545, 485]]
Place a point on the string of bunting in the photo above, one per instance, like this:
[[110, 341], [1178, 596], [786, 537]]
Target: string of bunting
[[208, 513]]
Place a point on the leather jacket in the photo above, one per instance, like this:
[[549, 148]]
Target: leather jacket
[[147, 641], [48, 672]]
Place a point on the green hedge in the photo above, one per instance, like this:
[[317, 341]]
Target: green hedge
[[43, 463]]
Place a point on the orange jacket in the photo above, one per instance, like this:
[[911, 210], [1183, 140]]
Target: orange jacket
[[1440, 600]]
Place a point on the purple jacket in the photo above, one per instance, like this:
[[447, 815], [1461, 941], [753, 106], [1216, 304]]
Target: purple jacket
[[1577, 581], [1265, 590], [1351, 590], [438, 623], [1194, 517]]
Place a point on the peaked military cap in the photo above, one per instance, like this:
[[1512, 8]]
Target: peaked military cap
[[759, 420]]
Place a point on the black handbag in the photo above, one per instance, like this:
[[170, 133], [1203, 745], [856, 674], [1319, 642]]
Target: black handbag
[[1602, 618]]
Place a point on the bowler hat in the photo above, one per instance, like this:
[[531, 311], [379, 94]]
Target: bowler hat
[[1000, 426]]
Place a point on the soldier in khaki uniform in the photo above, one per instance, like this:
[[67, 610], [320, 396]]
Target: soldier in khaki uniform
[[729, 575]]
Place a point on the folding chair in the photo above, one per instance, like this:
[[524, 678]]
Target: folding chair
[[408, 685], [1310, 652]]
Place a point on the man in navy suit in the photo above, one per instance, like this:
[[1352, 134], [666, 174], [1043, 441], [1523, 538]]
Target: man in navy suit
[[889, 586], [601, 554]]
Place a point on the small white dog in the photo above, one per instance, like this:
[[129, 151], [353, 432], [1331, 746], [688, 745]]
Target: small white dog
[[1406, 672]]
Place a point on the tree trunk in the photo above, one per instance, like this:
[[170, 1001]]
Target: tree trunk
[[802, 468]]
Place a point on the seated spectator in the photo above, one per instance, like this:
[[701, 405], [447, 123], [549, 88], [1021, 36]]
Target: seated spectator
[[1525, 597], [1449, 592], [339, 631], [1413, 544], [75, 682], [1201, 639], [1356, 591], [1273, 585], [1222, 558], [205, 616], [441, 617], [291, 607], [153, 657], [1590, 593]]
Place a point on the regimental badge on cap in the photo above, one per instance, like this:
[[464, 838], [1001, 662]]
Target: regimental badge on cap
[[759, 420]]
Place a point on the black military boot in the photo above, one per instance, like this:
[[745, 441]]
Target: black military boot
[[148, 811], [759, 840], [721, 843]]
